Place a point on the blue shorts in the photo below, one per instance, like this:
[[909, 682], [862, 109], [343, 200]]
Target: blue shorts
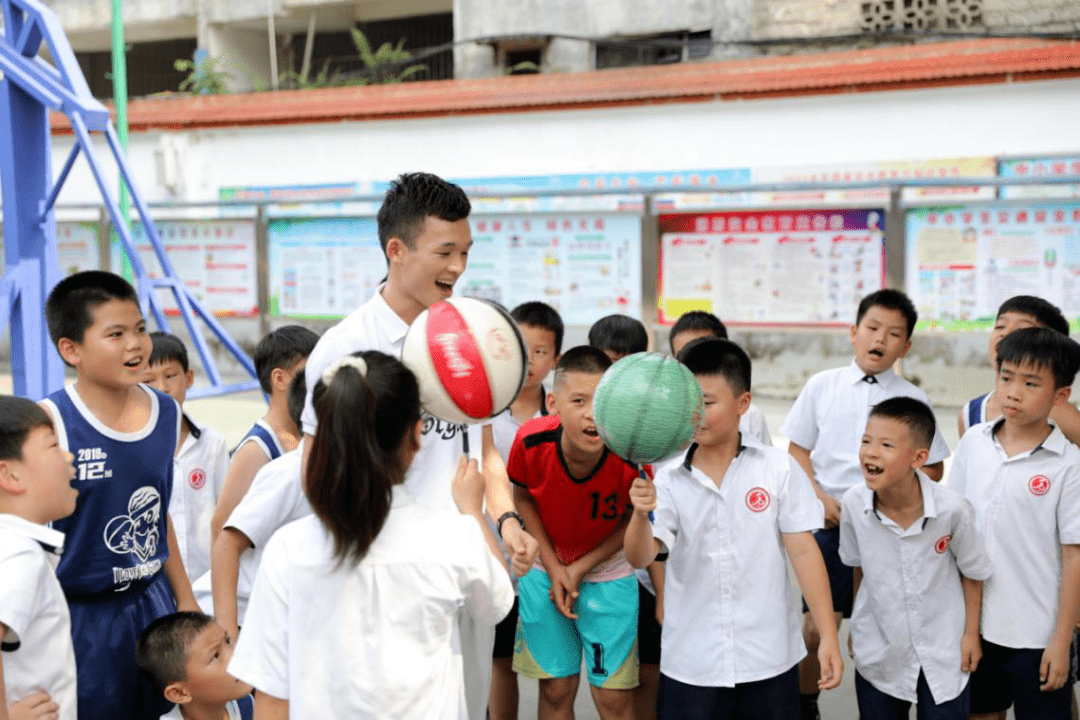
[[841, 576], [775, 698], [1010, 677], [105, 630], [549, 645], [878, 705]]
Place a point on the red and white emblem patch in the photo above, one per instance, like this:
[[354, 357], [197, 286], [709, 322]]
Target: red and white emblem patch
[[758, 499], [1039, 485], [196, 478], [942, 544]]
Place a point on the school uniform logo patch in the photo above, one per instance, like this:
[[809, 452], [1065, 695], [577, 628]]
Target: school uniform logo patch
[[942, 544], [758, 499], [1039, 485], [196, 478]]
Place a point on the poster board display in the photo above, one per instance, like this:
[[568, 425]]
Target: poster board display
[[215, 258], [775, 267], [77, 247], [964, 261]]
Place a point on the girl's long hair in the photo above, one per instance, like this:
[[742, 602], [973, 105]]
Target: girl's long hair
[[358, 451]]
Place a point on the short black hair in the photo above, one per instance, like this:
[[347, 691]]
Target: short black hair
[[714, 356], [889, 299], [916, 414], [582, 359], [1044, 313], [541, 315], [411, 199], [1041, 347], [162, 651], [166, 347], [296, 398], [70, 306], [282, 348], [620, 334], [697, 321], [18, 416]]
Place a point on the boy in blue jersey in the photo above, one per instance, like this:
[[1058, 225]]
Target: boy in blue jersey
[[121, 568]]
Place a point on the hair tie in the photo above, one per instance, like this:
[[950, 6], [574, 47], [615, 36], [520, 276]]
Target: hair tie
[[352, 361]]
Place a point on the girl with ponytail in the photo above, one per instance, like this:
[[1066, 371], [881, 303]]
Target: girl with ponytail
[[353, 612]]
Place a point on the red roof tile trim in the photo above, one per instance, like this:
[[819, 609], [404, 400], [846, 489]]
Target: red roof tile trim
[[893, 68]]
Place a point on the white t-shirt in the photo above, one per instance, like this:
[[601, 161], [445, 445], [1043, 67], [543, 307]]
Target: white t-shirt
[[731, 615], [198, 474], [1026, 506], [37, 650], [829, 417], [374, 640], [753, 423], [909, 614]]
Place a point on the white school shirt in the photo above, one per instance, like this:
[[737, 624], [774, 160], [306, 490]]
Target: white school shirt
[[376, 639], [37, 650], [753, 423], [1026, 506], [910, 613], [198, 474], [276, 498], [829, 417], [731, 615]]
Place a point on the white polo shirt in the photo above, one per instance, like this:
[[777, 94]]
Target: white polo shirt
[[36, 651], [1026, 506], [275, 499], [375, 326], [198, 474], [829, 417], [375, 639], [504, 426], [910, 613], [731, 615], [753, 423]]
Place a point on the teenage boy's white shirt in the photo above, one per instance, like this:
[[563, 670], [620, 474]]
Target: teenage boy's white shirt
[[1026, 506], [909, 614], [727, 568], [198, 474], [375, 326], [829, 416], [375, 639], [275, 499], [753, 423], [37, 648]]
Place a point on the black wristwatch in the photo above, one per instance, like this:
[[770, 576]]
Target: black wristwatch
[[507, 515]]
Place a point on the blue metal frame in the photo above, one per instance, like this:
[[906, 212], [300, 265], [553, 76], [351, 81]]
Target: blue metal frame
[[30, 88]]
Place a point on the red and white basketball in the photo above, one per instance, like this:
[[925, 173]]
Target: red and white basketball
[[469, 358]]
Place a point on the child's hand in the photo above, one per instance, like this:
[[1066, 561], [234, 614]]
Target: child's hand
[[970, 652], [522, 546], [38, 706], [467, 487], [564, 593], [643, 495], [1054, 669], [832, 665], [832, 511]]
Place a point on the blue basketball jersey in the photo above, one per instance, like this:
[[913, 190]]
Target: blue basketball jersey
[[242, 709], [262, 435], [117, 535]]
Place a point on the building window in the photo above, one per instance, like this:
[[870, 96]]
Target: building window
[[653, 49], [922, 15], [524, 62], [149, 68]]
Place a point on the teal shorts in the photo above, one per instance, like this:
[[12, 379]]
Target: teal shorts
[[549, 645]]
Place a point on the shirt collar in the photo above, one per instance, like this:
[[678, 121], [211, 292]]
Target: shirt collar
[[688, 458], [855, 374], [389, 320], [51, 540], [1055, 442], [929, 506]]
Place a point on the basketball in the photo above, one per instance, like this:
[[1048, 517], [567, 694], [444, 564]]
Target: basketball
[[647, 407], [469, 358]]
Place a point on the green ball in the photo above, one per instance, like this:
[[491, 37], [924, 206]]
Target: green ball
[[647, 407]]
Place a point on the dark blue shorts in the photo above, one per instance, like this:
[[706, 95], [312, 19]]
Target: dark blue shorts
[[647, 627], [775, 698], [105, 630], [880, 706], [504, 634], [1010, 677], [841, 577]]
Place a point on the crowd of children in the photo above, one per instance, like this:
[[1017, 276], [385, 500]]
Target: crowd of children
[[368, 560]]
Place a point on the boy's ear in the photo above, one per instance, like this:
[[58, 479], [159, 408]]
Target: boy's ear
[[177, 692], [549, 401], [278, 378], [921, 456], [743, 403], [8, 482], [395, 249], [69, 350], [190, 377], [852, 331], [1061, 395], [907, 347], [418, 434]]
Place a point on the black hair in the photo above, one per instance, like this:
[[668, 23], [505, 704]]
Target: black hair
[[620, 334], [166, 347], [697, 321], [889, 299], [582, 359], [18, 416], [282, 348], [411, 199], [1041, 347], [1044, 313], [162, 649], [296, 398], [365, 418], [540, 315], [916, 414], [70, 306], [714, 356]]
